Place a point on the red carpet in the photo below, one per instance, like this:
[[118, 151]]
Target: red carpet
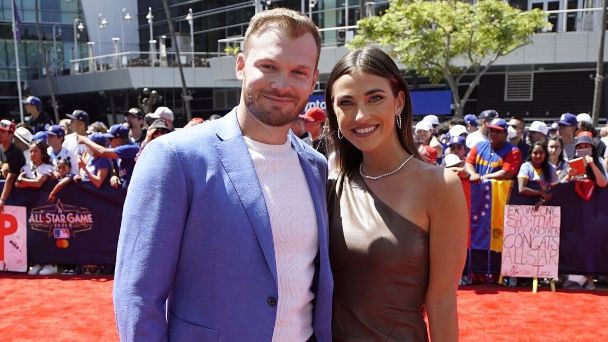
[[68, 308]]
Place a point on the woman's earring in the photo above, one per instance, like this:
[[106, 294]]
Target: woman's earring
[[399, 121], [340, 136]]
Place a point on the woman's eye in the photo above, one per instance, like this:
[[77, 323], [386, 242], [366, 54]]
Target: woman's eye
[[343, 103], [375, 98]]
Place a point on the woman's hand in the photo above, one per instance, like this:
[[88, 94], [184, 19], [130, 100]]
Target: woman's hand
[[115, 182], [588, 160]]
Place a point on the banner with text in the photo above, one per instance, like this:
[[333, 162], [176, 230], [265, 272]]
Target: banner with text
[[13, 239], [531, 241]]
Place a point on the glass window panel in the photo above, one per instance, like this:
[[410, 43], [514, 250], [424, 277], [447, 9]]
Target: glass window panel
[[3, 56]]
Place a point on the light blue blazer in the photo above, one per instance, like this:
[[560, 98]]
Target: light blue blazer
[[195, 259]]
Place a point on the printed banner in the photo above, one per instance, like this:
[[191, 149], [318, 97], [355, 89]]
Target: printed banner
[[531, 241], [13, 239]]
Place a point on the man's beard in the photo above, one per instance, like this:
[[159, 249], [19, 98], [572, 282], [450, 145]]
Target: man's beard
[[271, 115]]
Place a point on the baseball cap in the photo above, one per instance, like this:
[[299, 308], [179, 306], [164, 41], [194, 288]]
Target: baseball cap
[[33, 100], [162, 113], [80, 115], [584, 139], [159, 124], [488, 114], [98, 138], [117, 131], [554, 126], [136, 112], [56, 130], [314, 114], [451, 160], [24, 135], [433, 119], [42, 135], [539, 126], [470, 119], [567, 119], [457, 130], [457, 140], [424, 126], [498, 124], [7, 126], [511, 133], [584, 117]]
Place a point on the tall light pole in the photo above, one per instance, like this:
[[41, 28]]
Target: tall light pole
[[190, 20], [150, 18], [599, 72], [311, 5], [80, 26], [102, 23], [125, 16]]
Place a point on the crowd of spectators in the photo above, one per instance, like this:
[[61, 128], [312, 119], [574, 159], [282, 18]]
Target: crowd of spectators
[[75, 150]]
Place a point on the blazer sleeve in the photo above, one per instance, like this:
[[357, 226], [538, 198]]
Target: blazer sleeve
[[153, 221]]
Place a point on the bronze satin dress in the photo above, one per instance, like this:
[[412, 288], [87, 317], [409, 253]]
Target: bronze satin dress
[[380, 263]]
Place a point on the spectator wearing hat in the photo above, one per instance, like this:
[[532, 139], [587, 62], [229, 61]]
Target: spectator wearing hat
[[22, 139], [135, 120], [38, 120], [121, 150], [537, 132], [594, 163], [470, 121], [481, 134], [519, 125], [155, 130], [455, 164], [567, 129], [163, 113], [97, 168], [79, 120], [56, 150], [424, 136], [14, 158], [434, 120], [587, 126], [314, 119], [457, 146], [496, 158], [554, 130]]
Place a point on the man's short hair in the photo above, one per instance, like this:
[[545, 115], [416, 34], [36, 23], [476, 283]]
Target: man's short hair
[[293, 23]]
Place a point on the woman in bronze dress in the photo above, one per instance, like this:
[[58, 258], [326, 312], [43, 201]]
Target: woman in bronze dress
[[398, 226]]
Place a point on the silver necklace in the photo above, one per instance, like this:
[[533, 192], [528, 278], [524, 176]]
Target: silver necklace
[[385, 174]]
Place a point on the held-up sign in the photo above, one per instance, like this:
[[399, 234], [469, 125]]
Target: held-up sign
[[531, 241], [13, 239]]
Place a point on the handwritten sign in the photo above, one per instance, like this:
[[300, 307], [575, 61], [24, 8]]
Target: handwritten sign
[[13, 239], [531, 241]]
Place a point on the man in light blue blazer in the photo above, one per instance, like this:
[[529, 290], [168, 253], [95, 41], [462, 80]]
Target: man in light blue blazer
[[224, 229]]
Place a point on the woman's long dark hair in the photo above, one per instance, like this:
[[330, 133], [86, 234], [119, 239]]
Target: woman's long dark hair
[[372, 61], [544, 166]]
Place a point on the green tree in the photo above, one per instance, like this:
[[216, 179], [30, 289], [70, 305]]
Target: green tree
[[436, 38]]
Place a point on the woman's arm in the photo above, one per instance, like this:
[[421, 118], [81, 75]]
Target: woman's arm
[[36, 183], [97, 179], [448, 235]]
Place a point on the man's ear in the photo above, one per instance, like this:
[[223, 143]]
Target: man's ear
[[240, 65]]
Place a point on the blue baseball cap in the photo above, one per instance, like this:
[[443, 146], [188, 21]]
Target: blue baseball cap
[[33, 100], [98, 138], [460, 140], [39, 136], [488, 114], [117, 131], [470, 119], [567, 119], [56, 130], [79, 115], [498, 124]]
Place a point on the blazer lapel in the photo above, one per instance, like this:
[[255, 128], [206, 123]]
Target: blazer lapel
[[315, 181], [235, 158]]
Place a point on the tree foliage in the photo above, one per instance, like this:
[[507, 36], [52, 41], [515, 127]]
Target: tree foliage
[[444, 40]]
